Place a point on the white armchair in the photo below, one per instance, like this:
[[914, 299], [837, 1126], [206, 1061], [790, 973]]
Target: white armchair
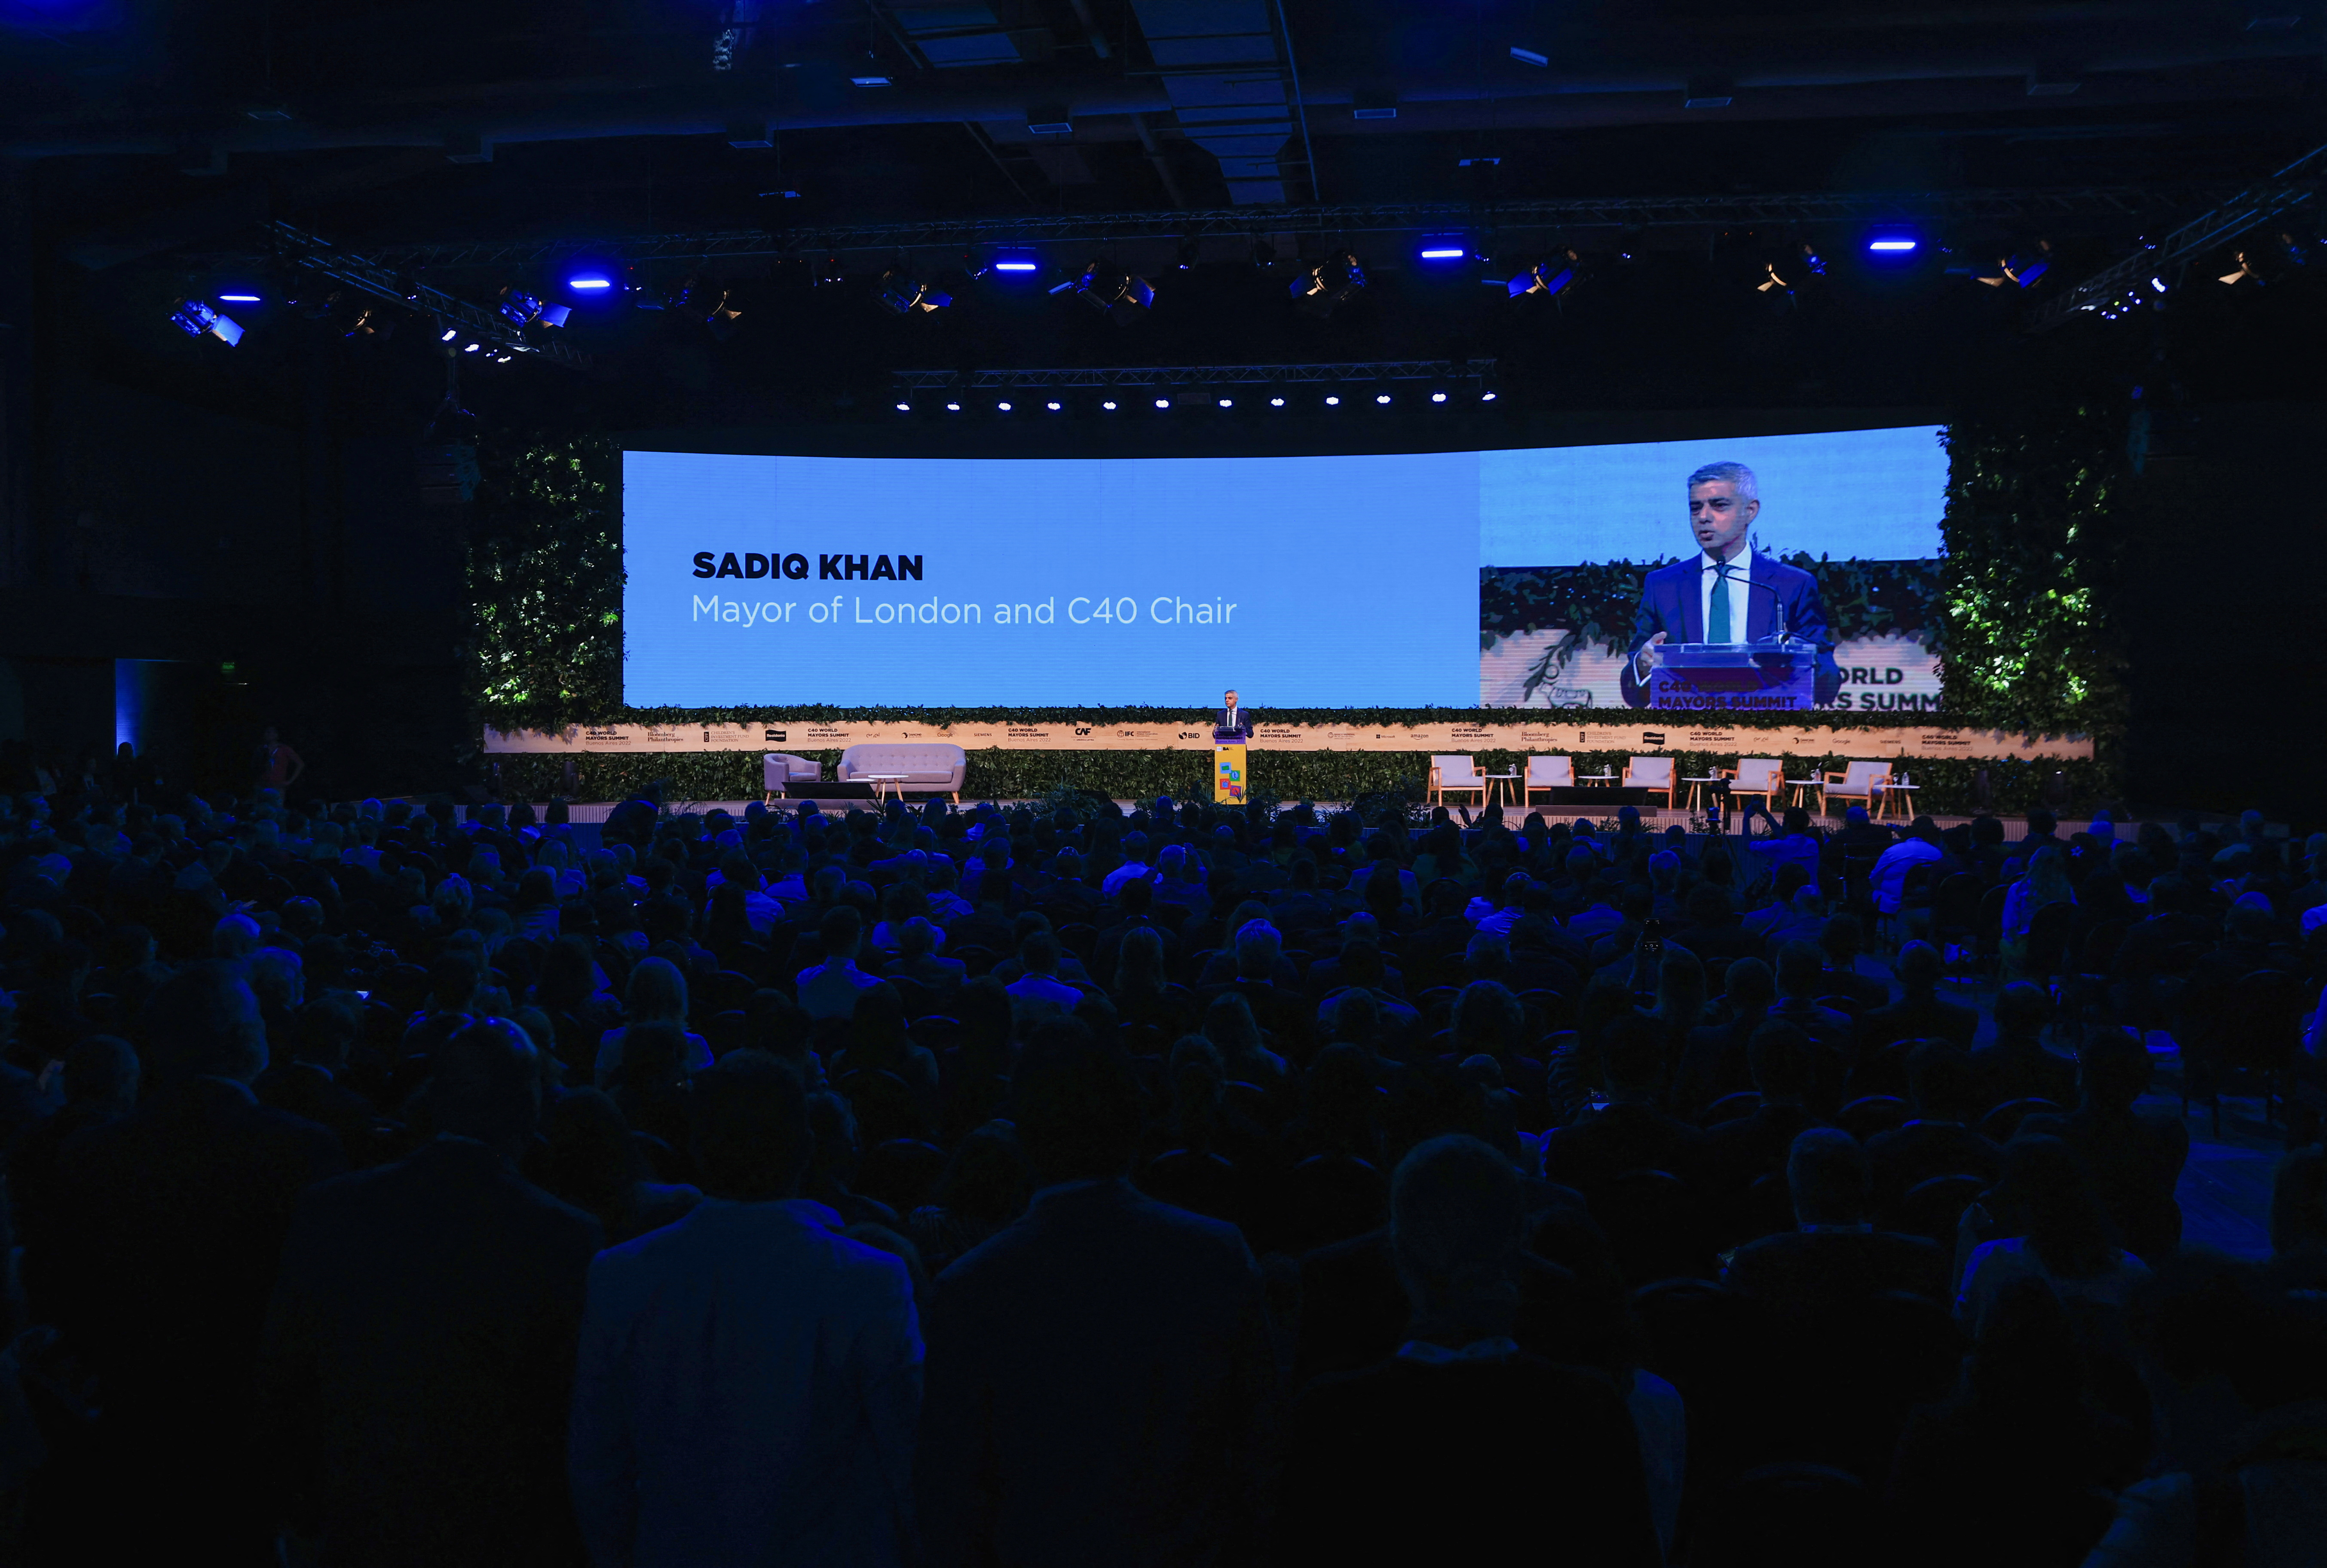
[[1547, 773], [1651, 773], [1761, 776], [1863, 781], [1459, 774]]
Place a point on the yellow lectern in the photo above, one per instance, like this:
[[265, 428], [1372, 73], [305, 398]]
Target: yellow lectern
[[1228, 773]]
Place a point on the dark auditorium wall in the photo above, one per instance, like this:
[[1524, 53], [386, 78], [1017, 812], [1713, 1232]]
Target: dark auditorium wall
[[2223, 615], [268, 544]]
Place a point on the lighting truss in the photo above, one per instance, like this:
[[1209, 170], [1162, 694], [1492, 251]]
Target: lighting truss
[[369, 276], [1142, 376], [2262, 202], [1934, 207]]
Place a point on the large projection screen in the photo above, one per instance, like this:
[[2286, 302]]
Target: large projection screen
[[1390, 579]]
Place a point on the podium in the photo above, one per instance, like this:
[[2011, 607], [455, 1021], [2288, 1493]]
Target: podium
[[1227, 767], [1770, 675]]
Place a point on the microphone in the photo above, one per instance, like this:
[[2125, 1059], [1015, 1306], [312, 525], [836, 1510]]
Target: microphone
[[1722, 571]]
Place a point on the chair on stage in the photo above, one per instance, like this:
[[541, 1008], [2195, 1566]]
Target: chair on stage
[[1458, 774], [1761, 776], [779, 770], [1863, 781], [1547, 773], [1653, 774]]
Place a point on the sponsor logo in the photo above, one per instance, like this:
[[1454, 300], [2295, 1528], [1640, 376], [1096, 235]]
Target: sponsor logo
[[773, 734], [1652, 737]]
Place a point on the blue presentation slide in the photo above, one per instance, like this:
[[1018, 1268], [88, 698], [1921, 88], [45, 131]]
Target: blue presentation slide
[[1303, 582], [911, 582]]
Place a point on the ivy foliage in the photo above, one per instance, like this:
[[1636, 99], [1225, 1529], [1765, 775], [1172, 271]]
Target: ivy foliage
[[1862, 598], [544, 580], [2031, 562]]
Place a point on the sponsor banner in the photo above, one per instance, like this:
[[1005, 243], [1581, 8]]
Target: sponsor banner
[[1545, 735]]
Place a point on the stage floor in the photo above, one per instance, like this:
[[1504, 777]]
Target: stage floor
[[1657, 816]]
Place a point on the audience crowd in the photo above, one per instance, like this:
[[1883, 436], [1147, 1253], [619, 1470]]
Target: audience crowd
[[1063, 1186]]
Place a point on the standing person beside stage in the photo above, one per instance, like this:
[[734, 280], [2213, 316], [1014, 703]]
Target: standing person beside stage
[[1729, 592], [279, 767]]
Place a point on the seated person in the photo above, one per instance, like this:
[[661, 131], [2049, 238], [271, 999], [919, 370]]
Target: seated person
[[1835, 1255]]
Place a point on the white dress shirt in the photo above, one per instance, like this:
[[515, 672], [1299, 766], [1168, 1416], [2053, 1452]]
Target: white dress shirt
[[1740, 567], [1741, 570]]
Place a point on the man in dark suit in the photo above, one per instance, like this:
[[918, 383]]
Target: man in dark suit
[[168, 1228], [1097, 1373], [1511, 1434], [1726, 593], [1835, 1257], [420, 1348], [1233, 717]]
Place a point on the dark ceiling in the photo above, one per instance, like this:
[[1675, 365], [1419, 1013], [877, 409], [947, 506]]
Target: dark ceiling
[[151, 143]]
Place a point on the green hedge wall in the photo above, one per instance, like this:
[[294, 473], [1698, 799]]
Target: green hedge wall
[[1945, 784]]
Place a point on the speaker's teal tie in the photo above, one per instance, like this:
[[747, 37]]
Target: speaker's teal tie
[[1716, 619]]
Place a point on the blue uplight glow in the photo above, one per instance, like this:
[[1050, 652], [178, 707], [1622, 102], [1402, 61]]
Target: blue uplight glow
[[589, 280], [1442, 253], [241, 299], [1895, 243]]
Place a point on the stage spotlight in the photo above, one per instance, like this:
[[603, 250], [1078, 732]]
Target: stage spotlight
[[904, 294], [1162, 403], [589, 280], [1332, 400], [1890, 242], [1276, 403], [706, 302], [1330, 285], [1019, 262], [239, 299], [904, 408], [471, 348], [198, 319], [1002, 407], [1263, 251], [1055, 405], [1438, 397], [523, 309], [1382, 398], [1548, 278], [1190, 249], [953, 408], [2022, 267], [1108, 404], [1444, 248], [1105, 286], [2157, 284], [448, 334], [1226, 402]]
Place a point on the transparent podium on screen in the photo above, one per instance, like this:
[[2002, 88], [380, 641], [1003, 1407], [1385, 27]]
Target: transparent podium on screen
[[1774, 674]]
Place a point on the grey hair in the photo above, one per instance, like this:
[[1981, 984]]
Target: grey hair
[[1736, 473]]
